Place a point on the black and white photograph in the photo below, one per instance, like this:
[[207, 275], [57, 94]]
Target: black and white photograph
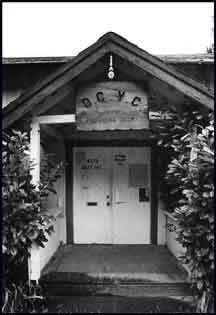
[[107, 157]]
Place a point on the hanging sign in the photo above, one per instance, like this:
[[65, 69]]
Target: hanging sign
[[111, 105]]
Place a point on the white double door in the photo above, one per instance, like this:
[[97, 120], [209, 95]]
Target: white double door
[[112, 195]]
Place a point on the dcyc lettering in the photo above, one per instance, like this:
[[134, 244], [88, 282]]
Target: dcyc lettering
[[86, 102], [135, 100], [120, 95], [100, 96]]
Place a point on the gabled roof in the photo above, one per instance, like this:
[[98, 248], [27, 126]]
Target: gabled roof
[[110, 42]]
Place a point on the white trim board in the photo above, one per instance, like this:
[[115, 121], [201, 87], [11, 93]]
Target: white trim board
[[55, 119]]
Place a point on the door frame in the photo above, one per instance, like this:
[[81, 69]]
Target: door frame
[[70, 144]]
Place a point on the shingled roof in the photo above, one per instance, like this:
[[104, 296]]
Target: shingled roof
[[169, 58]]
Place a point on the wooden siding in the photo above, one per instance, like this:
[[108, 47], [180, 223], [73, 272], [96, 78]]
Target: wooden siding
[[154, 197], [69, 192]]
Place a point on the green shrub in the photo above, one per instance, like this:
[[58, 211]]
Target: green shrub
[[25, 221], [189, 182], [24, 298]]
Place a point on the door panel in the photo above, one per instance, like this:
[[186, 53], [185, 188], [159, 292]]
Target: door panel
[[112, 195], [131, 196], [92, 207]]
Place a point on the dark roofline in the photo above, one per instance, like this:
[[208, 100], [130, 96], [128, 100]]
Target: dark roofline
[[171, 59], [24, 60]]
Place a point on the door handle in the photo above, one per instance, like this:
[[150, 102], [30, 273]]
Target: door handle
[[120, 202], [108, 200]]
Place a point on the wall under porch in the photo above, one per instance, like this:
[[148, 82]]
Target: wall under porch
[[166, 222], [55, 207], [167, 233], [56, 203], [161, 234]]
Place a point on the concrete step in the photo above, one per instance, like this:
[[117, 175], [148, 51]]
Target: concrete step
[[118, 304], [119, 270], [108, 288]]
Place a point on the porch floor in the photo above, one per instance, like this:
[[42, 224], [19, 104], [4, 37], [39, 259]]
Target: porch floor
[[137, 262], [148, 265]]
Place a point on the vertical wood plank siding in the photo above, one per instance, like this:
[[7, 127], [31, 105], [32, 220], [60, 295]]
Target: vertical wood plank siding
[[154, 196], [69, 192]]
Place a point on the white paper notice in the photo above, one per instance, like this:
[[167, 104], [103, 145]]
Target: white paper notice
[[121, 182]]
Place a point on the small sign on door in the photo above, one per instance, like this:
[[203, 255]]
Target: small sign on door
[[91, 164], [120, 158], [143, 195], [138, 175], [80, 157]]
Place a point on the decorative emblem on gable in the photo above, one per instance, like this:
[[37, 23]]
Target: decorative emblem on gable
[[112, 105], [111, 73]]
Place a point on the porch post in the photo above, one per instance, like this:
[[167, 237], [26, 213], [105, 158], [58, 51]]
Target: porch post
[[34, 260], [35, 150]]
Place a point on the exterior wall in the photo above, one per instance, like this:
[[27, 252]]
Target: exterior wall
[[55, 205]]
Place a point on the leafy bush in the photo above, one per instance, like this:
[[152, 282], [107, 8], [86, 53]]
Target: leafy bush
[[24, 298], [25, 221], [189, 180]]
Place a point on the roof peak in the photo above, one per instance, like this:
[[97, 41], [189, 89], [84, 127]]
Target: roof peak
[[110, 34]]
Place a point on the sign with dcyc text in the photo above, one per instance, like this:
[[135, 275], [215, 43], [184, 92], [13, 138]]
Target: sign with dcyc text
[[111, 106]]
